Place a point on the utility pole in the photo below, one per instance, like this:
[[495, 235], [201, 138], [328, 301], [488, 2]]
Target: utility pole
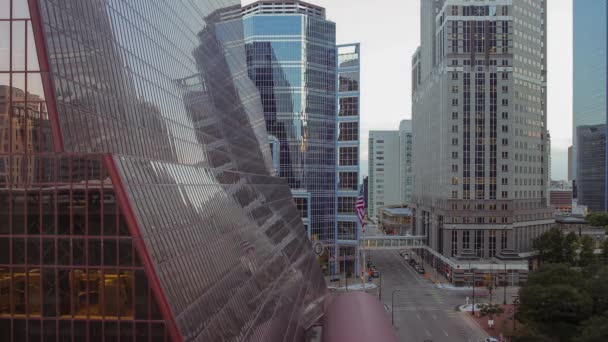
[[473, 309]]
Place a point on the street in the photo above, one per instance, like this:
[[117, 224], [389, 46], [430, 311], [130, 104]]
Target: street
[[422, 311]]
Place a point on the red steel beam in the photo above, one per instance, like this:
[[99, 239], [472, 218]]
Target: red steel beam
[[140, 246]]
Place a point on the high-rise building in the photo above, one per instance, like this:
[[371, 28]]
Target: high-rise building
[[348, 87], [383, 175], [589, 103], [479, 126], [390, 168], [136, 196], [310, 95]]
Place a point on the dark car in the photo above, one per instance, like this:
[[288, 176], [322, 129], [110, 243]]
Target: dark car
[[421, 270], [412, 262], [376, 274]]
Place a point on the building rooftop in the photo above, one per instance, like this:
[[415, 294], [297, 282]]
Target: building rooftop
[[284, 7], [398, 211]]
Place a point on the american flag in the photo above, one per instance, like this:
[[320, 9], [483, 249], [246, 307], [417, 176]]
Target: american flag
[[360, 206]]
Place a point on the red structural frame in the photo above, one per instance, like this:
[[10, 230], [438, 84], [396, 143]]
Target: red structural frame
[[108, 160], [140, 246]]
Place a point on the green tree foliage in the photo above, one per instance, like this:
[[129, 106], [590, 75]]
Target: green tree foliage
[[594, 330], [552, 248], [597, 219], [564, 304], [586, 256]]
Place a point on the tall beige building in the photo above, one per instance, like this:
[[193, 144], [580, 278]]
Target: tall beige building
[[480, 159]]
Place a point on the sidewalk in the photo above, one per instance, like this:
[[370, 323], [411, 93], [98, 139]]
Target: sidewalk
[[354, 284]]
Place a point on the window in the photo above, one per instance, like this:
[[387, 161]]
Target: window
[[454, 141], [302, 205], [479, 243], [505, 89], [505, 115], [505, 129], [505, 76], [492, 244], [505, 181], [505, 168], [455, 115], [505, 102], [454, 129], [346, 205], [347, 230], [505, 142], [348, 131], [503, 240], [504, 194], [454, 168], [348, 106], [348, 181], [454, 242], [505, 155], [348, 81], [454, 76], [349, 156], [455, 89], [454, 102], [466, 238], [454, 155], [454, 194]]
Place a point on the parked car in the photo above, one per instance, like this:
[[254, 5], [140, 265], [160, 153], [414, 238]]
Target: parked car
[[412, 262], [491, 339], [421, 270], [376, 274]]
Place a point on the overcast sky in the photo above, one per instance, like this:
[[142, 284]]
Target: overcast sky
[[389, 32]]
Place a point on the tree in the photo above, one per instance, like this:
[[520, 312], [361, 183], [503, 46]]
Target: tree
[[597, 219], [550, 246], [554, 302], [597, 286], [586, 256], [604, 254], [594, 329]]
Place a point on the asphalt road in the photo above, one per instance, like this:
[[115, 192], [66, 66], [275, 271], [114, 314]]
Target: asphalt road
[[422, 311]]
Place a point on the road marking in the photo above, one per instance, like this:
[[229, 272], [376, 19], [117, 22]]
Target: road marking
[[427, 333], [446, 334], [417, 315]]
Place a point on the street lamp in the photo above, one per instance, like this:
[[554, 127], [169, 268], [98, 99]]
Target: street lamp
[[393, 306], [504, 302]]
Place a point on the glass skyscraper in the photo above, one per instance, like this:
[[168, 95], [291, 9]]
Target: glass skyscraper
[[291, 55], [136, 195], [589, 112]]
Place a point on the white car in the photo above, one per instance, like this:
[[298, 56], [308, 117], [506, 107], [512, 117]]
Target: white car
[[491, 339]]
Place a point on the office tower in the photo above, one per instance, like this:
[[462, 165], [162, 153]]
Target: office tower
[[479, 125], [136, 196], [390, 168], [347, 155], [406, 178], [291, 57], [570, 163], [589, 103]]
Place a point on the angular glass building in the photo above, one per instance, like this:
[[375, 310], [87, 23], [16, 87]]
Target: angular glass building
[[589, 102], [291, 58], [137, 200]]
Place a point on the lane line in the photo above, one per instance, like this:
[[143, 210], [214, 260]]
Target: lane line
[[446, 334]]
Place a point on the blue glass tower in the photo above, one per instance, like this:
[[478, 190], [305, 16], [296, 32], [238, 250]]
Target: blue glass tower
[[291, 57], [590, 85]]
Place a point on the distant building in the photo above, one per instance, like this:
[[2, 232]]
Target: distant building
[[589, 103], [591, 167], [395, 220], [570, 171], [560, 200], [390, 168]]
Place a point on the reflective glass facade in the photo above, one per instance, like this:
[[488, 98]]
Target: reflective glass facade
[[291, 56], [136, 197], [589, 100], [348, 139]]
